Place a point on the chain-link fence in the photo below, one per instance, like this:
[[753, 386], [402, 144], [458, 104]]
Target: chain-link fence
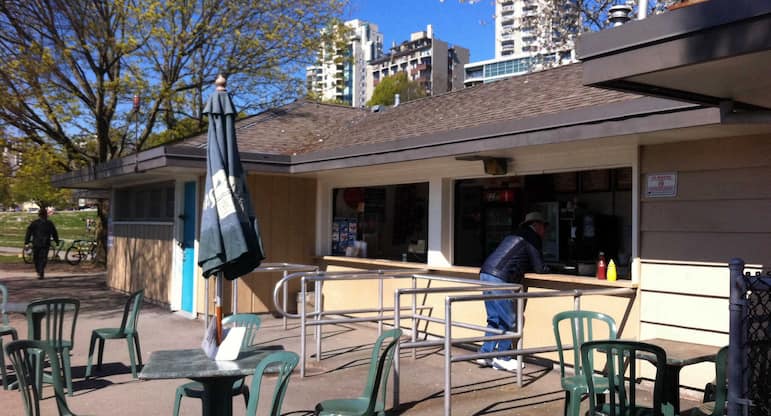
[[749, 382]]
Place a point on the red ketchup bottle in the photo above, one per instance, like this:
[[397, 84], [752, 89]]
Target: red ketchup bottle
[[602, 267]]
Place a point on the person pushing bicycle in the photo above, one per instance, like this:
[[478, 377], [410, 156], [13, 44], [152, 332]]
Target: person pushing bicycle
[[40, 233]]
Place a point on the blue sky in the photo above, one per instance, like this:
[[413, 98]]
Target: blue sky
[[463, 24]]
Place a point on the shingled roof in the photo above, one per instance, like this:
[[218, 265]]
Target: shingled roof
[[303, 126]]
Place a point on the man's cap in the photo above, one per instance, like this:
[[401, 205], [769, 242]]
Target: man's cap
[[532, 217]]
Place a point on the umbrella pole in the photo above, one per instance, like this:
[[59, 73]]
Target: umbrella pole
[[218, 307], [206, 307]]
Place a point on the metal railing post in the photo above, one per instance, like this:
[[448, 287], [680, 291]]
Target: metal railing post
[[447, 356], [380, 304], [302, 327], [286, 294], [736, 351], [317, 308], [520, 325], [414, 316], [397, 348]]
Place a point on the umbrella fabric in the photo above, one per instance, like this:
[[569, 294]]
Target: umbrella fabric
[[230, 238]]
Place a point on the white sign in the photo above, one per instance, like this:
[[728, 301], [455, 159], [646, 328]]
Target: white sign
[[661, 184]]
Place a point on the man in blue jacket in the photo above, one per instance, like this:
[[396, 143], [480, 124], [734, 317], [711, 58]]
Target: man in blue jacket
[[517, 254], [40, 233]]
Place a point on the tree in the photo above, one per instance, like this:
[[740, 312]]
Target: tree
[[32, 181], [69, 69], [398, 83]]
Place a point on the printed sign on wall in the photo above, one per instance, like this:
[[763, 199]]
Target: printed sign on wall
[[661, 184]]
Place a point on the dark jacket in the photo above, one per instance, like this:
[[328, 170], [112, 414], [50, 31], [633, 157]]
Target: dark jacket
[[40, 233], [515, 255]]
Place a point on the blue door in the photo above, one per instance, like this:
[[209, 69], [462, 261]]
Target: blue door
[[188, 247]]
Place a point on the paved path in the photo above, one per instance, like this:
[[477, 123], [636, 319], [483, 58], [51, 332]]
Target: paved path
[[341, 373]]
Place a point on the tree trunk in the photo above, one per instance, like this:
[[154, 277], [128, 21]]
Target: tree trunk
[[102, 210]]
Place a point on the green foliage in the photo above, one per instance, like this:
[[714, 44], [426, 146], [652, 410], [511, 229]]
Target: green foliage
[[396, 84], [69, 69], [32, 181], [71, 225]]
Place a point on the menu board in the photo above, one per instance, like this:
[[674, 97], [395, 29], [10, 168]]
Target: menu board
[[595, 180]]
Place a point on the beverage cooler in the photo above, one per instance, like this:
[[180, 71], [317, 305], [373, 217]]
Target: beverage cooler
[[499, 217]]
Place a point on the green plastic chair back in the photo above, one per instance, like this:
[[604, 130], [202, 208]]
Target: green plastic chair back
[[3, 301], [282, 361], [716, 408], [5, 329], [27, 357], [584, 326], [53, 322], [249, 321], [622, 361], [128, 324], [127, 330], [373, 398]]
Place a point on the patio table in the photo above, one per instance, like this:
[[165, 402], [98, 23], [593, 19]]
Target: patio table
[[217, 377], [679, 355]]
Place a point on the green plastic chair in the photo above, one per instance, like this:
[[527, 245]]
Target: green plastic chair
[[716, 407], [621, 356], [5, 330], [282, 361], [26, 357], [53, 322], [379, 368], [128, 331], [194, 389], [584, 326]]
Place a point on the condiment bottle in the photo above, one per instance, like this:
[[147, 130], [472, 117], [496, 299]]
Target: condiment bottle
[[611, 271], [601, 267]]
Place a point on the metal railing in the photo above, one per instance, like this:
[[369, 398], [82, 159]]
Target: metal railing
[[412, 314]]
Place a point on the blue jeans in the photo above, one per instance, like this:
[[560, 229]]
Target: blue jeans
[[500, 315]]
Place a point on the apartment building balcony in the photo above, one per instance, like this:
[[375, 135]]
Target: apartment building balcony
[[509, 8], [420, 68]]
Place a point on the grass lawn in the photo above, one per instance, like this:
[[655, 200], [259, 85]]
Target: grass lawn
[[71, 225]]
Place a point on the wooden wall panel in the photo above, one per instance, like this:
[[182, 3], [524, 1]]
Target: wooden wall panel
[[717, 216], [715, 154], [286, 212], [720, 184], [722, 205], [701, 280], [695, 312], [706, 247], [141, 258]]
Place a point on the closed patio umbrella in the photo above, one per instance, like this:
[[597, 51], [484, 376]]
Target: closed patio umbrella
[[230, 244]]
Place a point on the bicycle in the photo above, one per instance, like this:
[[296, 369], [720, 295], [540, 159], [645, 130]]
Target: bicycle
[[81, 250], [54, 252]]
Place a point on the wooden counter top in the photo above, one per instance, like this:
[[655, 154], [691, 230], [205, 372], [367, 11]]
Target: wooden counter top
[[531, 279]]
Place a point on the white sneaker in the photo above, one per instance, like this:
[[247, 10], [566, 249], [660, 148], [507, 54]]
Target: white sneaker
[[484, 362], [506, 365]]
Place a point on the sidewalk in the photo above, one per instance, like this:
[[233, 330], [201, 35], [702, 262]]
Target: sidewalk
[[341, 373]]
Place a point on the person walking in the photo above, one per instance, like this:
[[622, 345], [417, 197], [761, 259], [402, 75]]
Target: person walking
[[518, 253], [40, 233]]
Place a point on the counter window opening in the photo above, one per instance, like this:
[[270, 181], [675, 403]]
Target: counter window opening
[[383, 222], [588, 212]]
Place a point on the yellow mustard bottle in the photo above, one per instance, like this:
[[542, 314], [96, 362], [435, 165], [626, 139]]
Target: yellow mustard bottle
[[611, 271]]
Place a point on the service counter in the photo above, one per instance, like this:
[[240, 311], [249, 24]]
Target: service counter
[[538, 311], [533, 280]]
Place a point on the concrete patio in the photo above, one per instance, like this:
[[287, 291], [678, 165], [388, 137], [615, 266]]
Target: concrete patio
[[341, 373]]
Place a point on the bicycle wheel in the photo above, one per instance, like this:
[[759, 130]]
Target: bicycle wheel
[[26, 254], [73, 255]]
